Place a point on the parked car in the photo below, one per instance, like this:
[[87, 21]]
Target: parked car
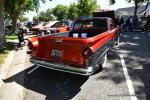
[[61, 26], [36, 27], [48, 24], [40, 33], [80, 51], [8, 29]]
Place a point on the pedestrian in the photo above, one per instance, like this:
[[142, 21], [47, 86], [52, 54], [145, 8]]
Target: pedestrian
[[129, 23], [121, 23], [146, 27], [21, 37]]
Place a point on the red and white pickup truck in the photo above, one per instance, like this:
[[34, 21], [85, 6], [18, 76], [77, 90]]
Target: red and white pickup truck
[[80, 51]]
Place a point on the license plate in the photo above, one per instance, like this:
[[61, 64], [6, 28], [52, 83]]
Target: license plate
[[56, 53]]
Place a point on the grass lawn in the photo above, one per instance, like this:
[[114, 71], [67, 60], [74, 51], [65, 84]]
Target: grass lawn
[[11, 37], [4, 53]]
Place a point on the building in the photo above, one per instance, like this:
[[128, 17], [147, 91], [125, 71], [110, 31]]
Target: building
[[129, 11]]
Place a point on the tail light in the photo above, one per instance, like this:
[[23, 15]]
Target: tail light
[[30, 46], [87, 52], [57, 31]]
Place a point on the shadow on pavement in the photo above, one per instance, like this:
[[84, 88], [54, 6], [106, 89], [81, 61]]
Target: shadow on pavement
[[114, 72], [137, 61], [54, 85], [135, 48], [11, 45], [144, 76]]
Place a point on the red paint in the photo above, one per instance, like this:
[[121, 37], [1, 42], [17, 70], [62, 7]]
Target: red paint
[[71, 48]]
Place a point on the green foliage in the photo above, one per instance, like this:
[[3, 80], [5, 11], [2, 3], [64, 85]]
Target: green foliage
[[11, 37], [3, 55], [49, 11], [42, 16], [23, 19], [16, 7], [49, 15], [73, 11], [35, 18], [87, 7], [32, 5], [60, 11], [45, 16]]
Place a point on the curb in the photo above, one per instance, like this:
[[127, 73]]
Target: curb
[[6, 65]]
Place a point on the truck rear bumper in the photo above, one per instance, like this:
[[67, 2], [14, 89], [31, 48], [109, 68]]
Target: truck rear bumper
[[65, 68]]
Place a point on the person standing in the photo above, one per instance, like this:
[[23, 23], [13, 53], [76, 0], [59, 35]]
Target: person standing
[[20, 37]]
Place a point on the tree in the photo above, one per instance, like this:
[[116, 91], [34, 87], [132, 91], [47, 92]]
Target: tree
[[49, 11], [22, 18], [42, 16], [15, 7], [2, 33], [45, 16], [60, 11], [35, 18], [72, 11], [86, 7], [50, 16], [137, 4]]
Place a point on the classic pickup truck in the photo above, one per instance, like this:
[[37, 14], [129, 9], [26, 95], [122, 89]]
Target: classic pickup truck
[[80, 51]]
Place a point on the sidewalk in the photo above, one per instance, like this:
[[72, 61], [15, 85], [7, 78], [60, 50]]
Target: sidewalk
[[14, 63]]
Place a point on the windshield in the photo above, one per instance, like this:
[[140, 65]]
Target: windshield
[[91, 24], [58, 24], [44, 24]]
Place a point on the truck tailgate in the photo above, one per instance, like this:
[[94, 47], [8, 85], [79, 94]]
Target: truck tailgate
[[61, 49]]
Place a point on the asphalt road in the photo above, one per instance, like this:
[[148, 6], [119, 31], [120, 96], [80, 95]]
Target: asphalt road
[[126, 76]]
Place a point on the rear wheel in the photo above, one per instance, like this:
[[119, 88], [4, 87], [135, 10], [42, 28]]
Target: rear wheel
[[101, 65]]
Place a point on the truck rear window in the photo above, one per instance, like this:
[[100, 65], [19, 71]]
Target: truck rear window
[[91, 25]]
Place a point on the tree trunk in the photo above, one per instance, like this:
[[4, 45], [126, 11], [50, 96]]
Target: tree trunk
[[14, 23], [135, 14], [135, 9], [2, 32]]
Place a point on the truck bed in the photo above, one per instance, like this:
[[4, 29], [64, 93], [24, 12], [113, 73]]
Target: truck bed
[[90, 33]]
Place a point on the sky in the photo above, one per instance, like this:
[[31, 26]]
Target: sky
[[104, 4]]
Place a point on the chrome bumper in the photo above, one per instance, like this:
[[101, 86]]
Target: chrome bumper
[[65, 68]]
